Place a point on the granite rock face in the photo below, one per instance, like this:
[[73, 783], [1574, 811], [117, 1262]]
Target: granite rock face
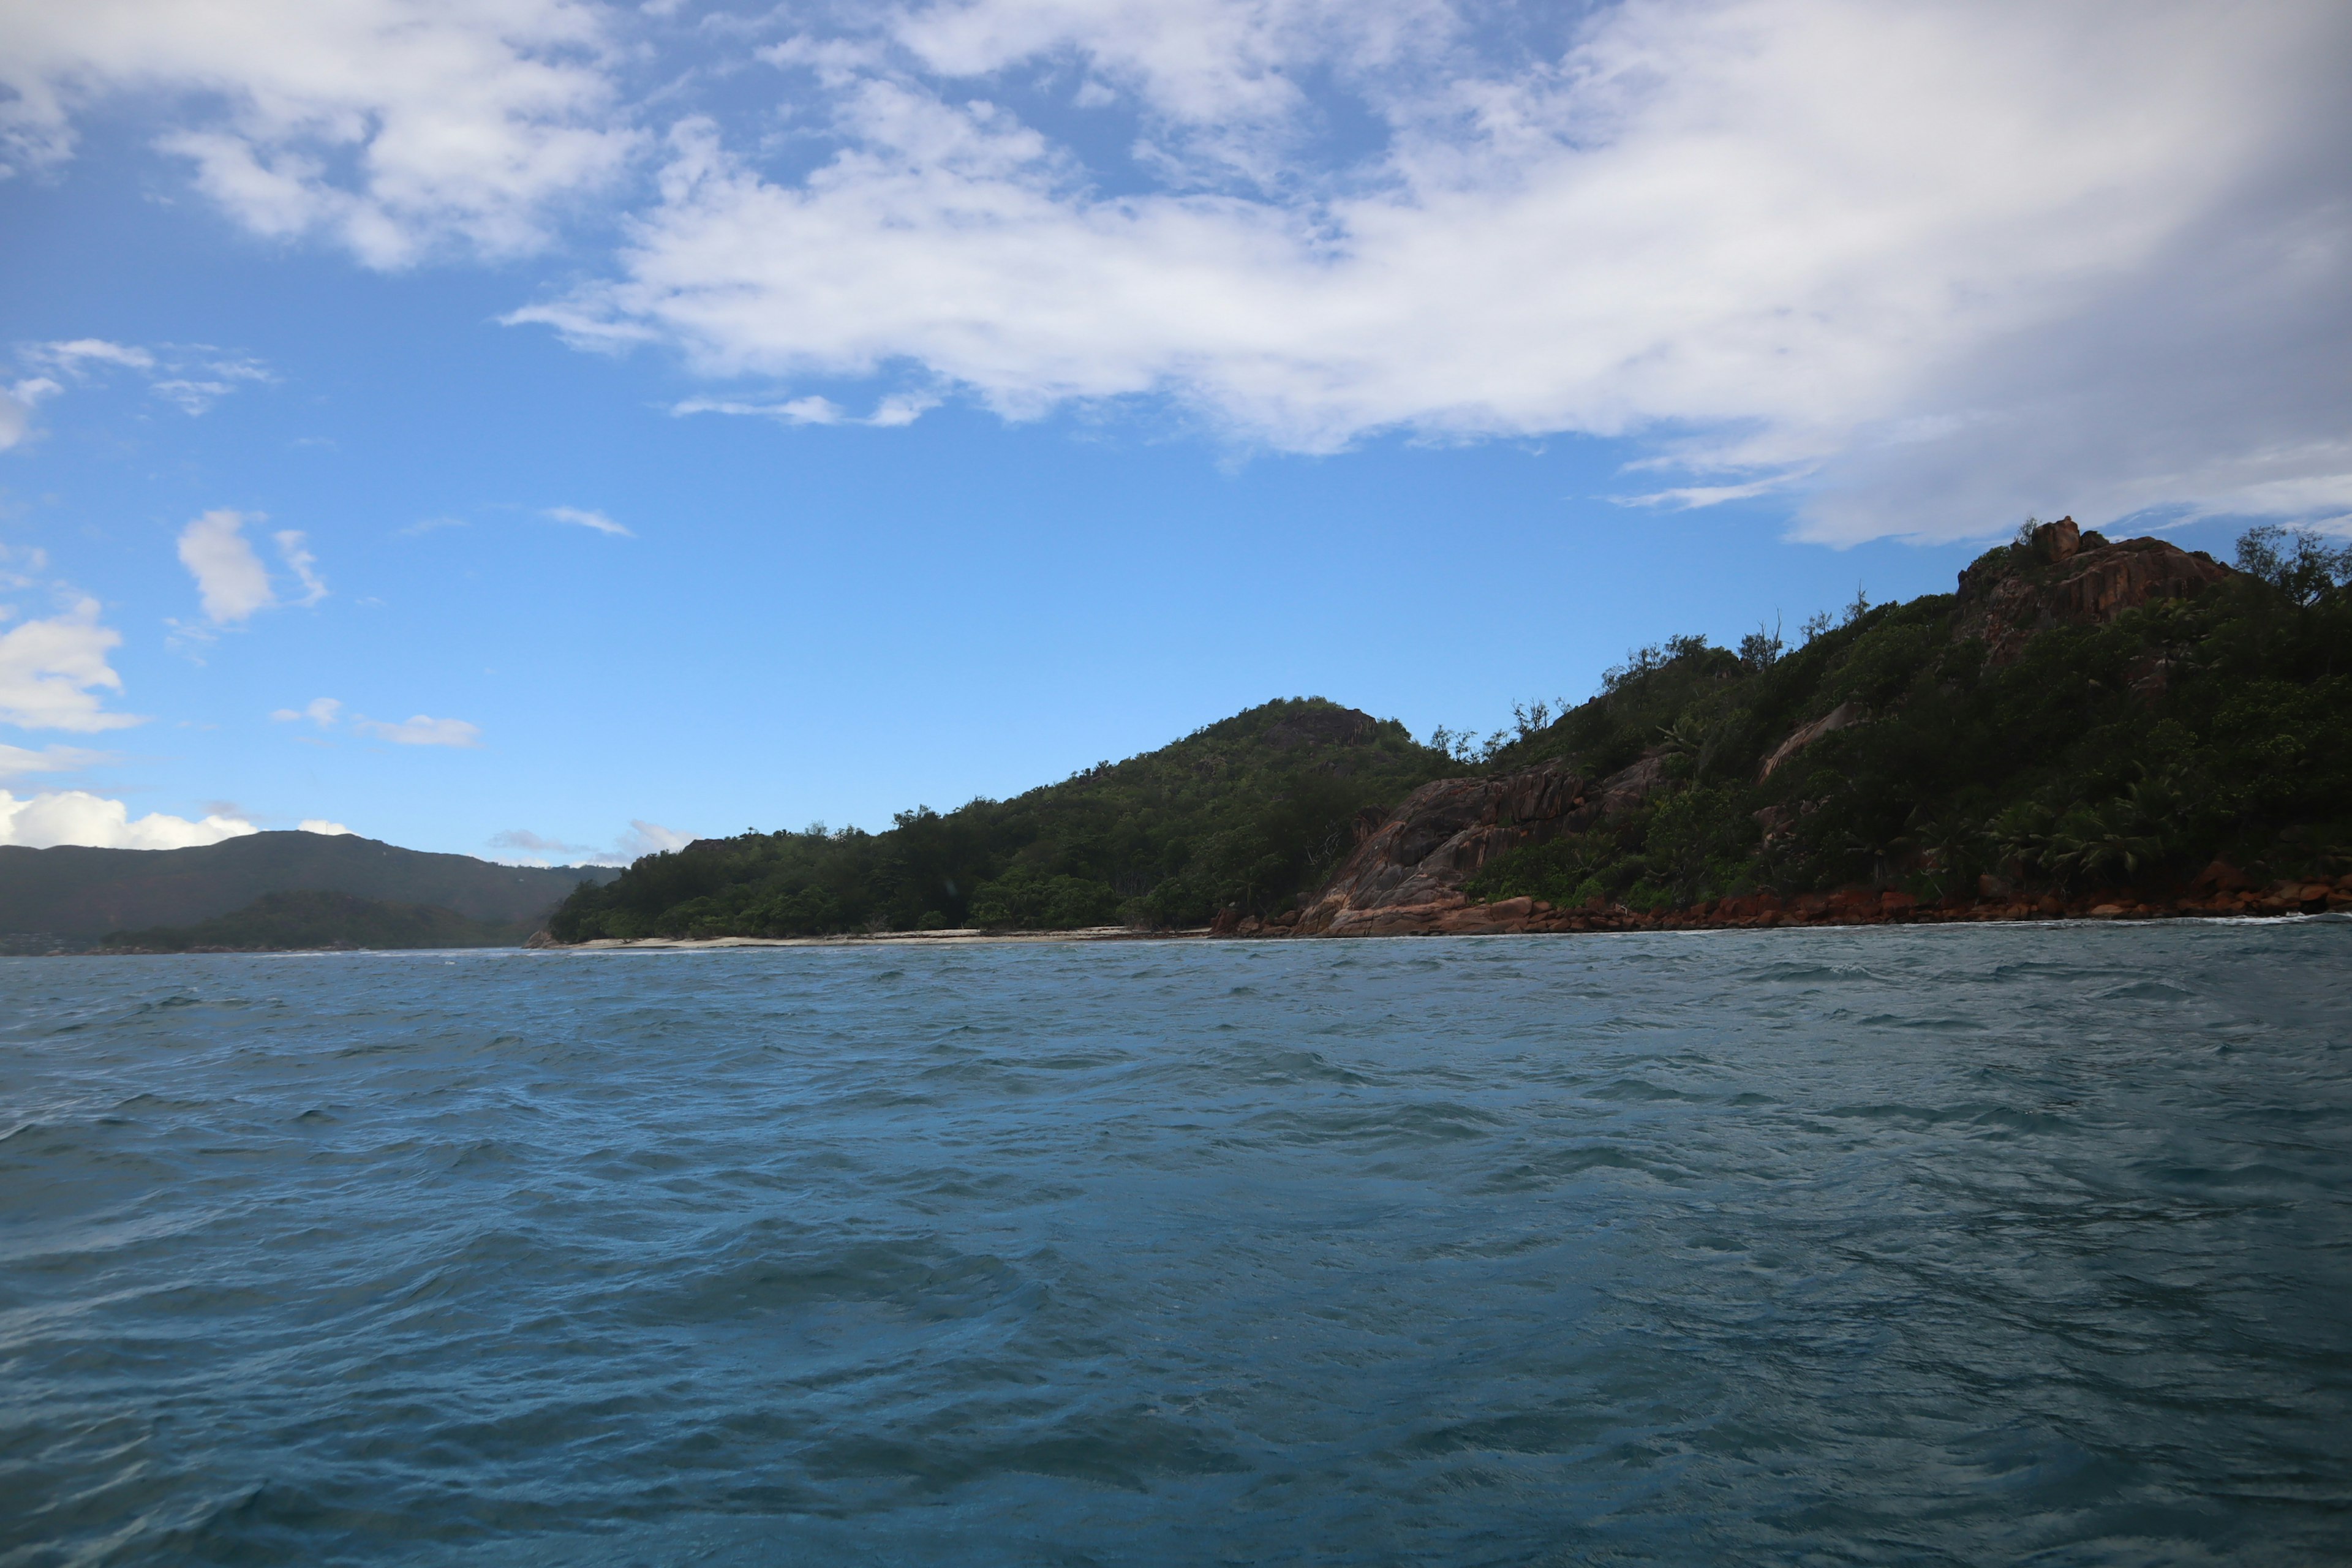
[[2072, 577], [1836, 718], [1407, 867]]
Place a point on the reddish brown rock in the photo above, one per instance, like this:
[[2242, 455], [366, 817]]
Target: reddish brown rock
[[2220, 876], [2069, 577], [1406, 874]]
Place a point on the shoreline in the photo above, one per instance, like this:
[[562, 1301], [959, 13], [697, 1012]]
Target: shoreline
[[1528, 917], [1510, 917]]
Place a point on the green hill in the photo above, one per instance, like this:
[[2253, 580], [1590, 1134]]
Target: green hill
[[1246, 811], [2080, 713], [277, 923], [2073, 719], [78, 893]]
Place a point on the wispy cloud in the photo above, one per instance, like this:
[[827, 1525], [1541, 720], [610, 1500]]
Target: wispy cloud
[[421, 730], [192, 377], [319, 710], [525, 848], [302, 563], [895, 411], [75, 353], [581, 518], [16, 762]]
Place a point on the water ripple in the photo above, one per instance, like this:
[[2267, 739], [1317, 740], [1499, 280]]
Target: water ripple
[[1898, 1245]]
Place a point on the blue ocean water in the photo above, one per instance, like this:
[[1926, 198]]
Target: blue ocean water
[[1894, 1245]]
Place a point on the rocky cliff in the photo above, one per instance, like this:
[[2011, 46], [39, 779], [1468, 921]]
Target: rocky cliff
[[1873, 772], [1407, 869], [2060, 575]]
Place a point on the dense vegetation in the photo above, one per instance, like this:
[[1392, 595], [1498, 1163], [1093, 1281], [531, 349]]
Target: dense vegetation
[[1244, 813], [311, 918], [2130, 752]]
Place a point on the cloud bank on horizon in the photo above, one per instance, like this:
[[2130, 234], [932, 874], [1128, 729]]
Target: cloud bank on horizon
[[1913, 267]]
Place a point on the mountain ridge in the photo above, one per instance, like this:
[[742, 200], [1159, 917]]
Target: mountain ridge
[[78, 891]]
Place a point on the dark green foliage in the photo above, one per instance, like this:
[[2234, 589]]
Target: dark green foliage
[[2125, 754], [311, 918], [1245, 814]]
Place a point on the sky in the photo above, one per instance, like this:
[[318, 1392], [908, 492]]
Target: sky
[[552, 431]]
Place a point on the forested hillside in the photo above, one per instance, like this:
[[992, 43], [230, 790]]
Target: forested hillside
[[2080, 713], [1246, 812], [279, 922], [2021, 731]]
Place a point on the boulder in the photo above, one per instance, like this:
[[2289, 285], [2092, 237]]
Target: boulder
[[2220, 876]]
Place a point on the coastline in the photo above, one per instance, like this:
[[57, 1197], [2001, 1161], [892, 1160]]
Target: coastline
[[1510, 917], [1528, 917]]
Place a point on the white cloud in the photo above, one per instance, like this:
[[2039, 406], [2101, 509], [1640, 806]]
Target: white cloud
[[229, 576], [319, 710], [183, 374], [302, 563], [321, 824], [1853, 250], [54, 673], [583, 519], [16, 407], [1922, 267], [535, 846], [231, 579], [77, 817], [892, 412], [16, 761], [651, 839], [393, 126], [74, 354], [528, 848], [422, 730]]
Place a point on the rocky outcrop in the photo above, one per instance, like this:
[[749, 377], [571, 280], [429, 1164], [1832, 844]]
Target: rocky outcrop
[[2067, 576], [1855, 906], [1836, 718], [1406, 873]]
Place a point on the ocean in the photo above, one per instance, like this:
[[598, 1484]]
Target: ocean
[[1974, 1245]]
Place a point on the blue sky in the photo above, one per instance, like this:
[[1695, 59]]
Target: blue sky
[[541, 430]]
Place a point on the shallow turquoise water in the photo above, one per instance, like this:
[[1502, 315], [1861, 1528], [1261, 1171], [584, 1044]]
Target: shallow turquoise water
[[2014, 1245]]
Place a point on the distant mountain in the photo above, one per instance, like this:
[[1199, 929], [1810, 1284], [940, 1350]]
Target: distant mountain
[[279, 922], [74, 892]]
